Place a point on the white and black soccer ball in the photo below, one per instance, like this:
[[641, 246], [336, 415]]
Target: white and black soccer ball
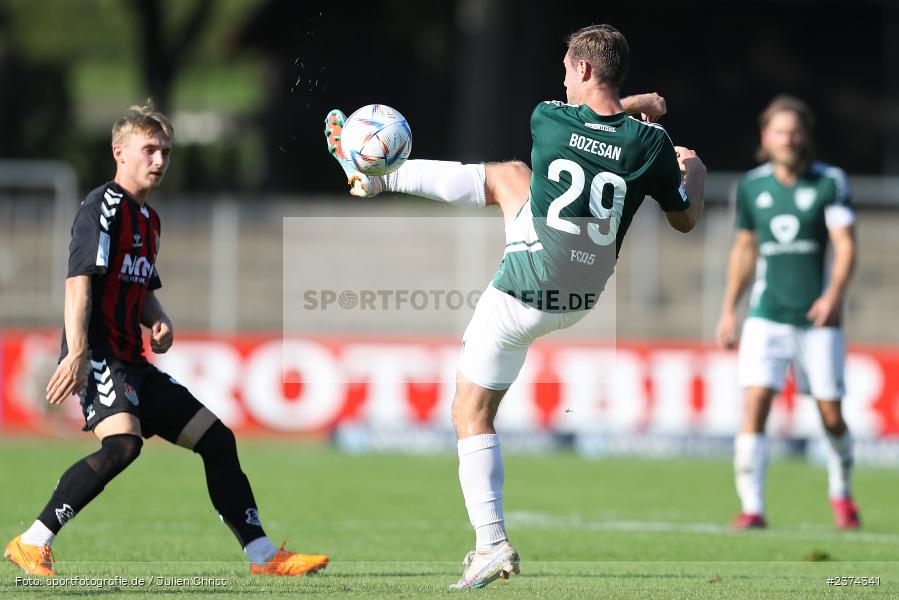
[[376, 139]]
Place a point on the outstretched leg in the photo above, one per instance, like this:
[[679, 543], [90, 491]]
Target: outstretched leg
[[506, 184]]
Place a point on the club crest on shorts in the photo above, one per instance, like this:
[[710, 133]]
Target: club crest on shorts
[[131, 394]]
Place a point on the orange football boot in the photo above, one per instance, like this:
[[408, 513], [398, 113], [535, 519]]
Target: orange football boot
[[35, 560], [286, 562]]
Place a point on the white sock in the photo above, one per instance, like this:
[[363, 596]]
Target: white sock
[[750, 463], [838, 451], [260, 551], [481, 475], [38, 535], [451, 182]]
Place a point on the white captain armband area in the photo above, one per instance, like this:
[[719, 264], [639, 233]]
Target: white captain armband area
[[838, 215]]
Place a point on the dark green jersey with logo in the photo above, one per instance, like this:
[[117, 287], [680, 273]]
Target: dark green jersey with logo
[[790, 224], [590, 175]]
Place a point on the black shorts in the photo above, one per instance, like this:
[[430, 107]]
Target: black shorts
[[162, 405]]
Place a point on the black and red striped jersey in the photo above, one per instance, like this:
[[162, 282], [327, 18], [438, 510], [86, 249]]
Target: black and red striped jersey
[[115, 241]]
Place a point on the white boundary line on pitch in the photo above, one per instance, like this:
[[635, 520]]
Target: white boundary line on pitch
[[545, 521], [538, 520]]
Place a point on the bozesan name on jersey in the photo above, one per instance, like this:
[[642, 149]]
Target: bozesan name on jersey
[[592, 146]]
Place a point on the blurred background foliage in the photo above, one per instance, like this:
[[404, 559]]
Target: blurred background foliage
[[248, 82]]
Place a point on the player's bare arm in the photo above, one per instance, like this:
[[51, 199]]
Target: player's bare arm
[[740, 268], [651, 107], [159, 324], [826, 309], [71, 373], [693, 171]]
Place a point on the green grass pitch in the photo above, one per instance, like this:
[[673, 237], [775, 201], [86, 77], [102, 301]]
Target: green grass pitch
[[395, 527]]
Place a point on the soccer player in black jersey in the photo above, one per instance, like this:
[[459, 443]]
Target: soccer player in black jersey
[[110, 294]]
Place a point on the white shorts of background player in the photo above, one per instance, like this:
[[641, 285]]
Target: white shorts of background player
[[818, 355]]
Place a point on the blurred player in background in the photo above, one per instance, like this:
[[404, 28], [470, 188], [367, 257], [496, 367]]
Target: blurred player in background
[[110, 294], [592, 166], [787, 211]]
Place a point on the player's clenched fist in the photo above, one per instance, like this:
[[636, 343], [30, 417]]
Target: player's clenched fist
[[652, 107], [687, 159], [161, 336]]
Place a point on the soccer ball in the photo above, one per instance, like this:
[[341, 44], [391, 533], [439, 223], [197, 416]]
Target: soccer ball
[[377, 139]]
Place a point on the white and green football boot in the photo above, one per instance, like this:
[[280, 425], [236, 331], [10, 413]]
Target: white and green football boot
[[480, 567]]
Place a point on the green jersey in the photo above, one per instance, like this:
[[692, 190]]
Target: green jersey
[[590, 175], [790, 224]]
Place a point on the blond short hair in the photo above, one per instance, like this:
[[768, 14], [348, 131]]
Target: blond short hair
[[605, 48], [143, 118]]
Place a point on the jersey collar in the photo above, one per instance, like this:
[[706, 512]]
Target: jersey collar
[[587, 113], [145, 209]]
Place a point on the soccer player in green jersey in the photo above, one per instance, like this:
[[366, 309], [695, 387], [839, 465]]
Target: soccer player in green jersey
[[788, 210], [565, 221]]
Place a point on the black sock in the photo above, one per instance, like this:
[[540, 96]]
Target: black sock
[[229, 488], [86, 478]]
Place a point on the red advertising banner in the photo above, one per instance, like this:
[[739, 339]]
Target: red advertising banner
[[632, 388]]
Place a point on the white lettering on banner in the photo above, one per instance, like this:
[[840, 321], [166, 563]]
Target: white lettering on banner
[[864, 384], [585, 375], [723, 398], [627, 408], [672, 374], [388, 369], [602, 389], [321, 393], [211, 370]]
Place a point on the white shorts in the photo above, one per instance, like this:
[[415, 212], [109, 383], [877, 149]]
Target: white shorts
[[817, 354], [497, 338]]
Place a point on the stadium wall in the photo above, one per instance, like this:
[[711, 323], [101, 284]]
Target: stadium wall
[[223, 261]]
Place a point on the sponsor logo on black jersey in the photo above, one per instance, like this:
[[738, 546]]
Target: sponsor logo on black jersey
[[136, 269]]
